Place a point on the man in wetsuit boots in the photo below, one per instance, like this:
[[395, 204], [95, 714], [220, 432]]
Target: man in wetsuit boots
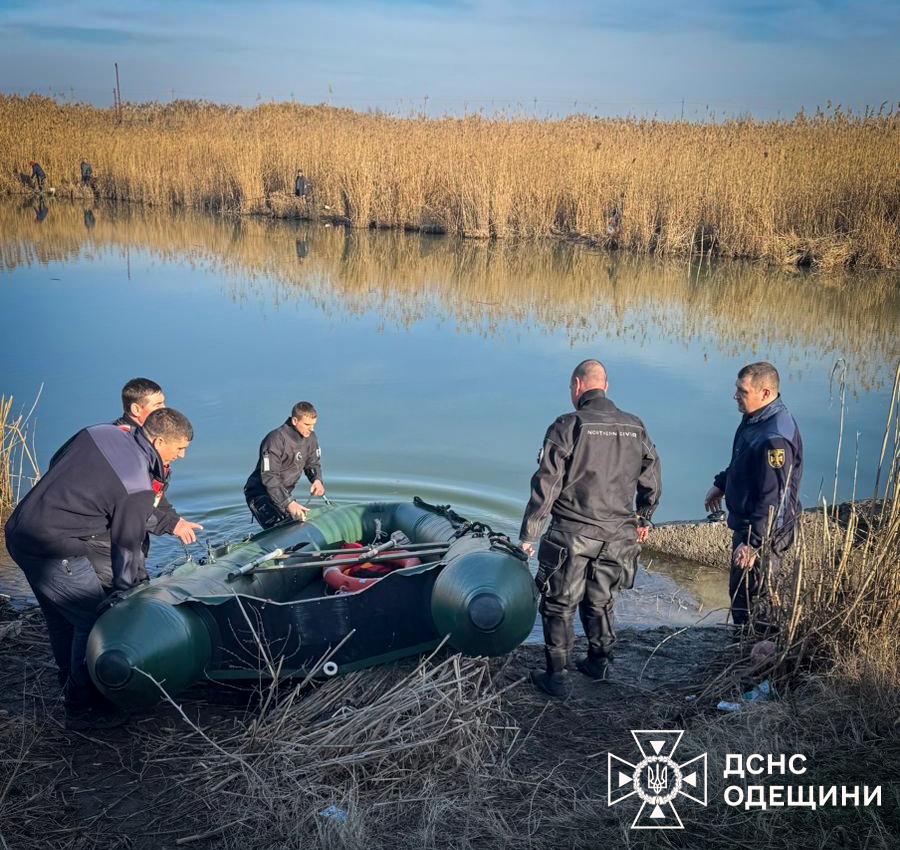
[[598, 481], [104, 482], [284, 454], [761, 486]]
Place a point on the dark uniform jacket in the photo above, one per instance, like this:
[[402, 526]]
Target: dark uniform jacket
[[283, 456], [100, 484], [165, 517], [593, 462], [765, 471]]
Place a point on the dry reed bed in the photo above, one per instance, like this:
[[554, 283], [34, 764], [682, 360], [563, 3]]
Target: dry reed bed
[[18, 467], [484, 284], [820, 191], [382, 751]]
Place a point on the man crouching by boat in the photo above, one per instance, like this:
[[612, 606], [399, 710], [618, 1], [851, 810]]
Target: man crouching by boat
[[593, 464], [104, 482], [285, 454]]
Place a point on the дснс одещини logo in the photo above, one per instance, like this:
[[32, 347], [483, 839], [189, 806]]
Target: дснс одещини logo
[[657, 779]]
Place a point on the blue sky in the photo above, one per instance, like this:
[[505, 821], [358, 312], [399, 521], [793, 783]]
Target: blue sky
[[611, 58]]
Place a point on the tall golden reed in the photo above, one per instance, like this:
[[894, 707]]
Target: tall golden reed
[[820, 190], [18, 467]]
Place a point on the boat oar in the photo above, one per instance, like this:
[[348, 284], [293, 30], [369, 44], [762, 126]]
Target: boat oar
[[357, 560], [250, 566], [343, 564], [317, 554]]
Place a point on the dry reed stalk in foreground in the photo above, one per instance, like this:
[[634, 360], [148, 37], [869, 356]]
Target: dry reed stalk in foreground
[[18, 467], [813, 191], [365, 743]]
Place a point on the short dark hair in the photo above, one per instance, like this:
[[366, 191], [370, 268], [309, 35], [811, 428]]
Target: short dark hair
[[304, 408], [137, 390], [168, 423], [760, 373]]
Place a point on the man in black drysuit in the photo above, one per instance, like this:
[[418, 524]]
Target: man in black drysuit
[[761, 485], [599, 481], [284, 454], [104, 482]]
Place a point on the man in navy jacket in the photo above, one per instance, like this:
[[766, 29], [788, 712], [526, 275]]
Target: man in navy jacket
[[104, 482], [761, 485]]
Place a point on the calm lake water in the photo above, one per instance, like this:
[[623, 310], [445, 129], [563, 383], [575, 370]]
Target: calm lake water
[[435, 364]]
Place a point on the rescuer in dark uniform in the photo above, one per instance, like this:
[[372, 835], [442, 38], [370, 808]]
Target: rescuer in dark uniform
[[284, 454], [104, 482], [140, 398], [761, 485], [598, 481], [301, 185]]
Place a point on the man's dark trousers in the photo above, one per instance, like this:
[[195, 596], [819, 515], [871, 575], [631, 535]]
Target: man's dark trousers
[[265, 512], [744, 585], [579, 572], [70, 595]]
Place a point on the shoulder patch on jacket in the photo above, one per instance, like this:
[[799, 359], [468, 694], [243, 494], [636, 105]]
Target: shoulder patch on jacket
[[775, 457]]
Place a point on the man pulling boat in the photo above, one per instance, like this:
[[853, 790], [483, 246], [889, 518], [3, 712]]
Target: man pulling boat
[[284, 455]]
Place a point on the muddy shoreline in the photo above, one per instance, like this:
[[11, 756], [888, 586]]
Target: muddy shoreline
[[135, 786]]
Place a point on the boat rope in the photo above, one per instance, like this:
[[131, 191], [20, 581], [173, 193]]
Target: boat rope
[[473, 528]]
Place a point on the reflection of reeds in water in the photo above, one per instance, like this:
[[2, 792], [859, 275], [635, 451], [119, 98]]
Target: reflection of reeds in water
[[590, 294], [820, 191]]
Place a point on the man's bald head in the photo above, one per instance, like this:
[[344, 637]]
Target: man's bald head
[[592, 373], [588, 375]]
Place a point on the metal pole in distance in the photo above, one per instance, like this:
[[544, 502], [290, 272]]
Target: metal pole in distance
[[118, 95]]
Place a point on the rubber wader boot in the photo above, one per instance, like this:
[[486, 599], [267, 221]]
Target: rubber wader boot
[[555, 684], [593, 668]]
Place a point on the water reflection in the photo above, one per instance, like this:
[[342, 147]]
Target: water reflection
[[426, 410], [729, 306]]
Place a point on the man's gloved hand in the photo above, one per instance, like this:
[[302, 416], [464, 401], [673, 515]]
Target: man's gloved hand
[[643, 529]]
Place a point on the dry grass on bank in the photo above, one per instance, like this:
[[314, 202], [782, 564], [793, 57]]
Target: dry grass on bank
[[819, 191], [18, 467]]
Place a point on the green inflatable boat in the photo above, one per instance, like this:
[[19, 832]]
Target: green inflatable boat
[[359, 584]]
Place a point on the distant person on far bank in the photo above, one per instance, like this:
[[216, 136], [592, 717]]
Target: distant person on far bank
[[301, 185], [284, 455], [598, 481], [761, 485], [87, 173], [38, 176]]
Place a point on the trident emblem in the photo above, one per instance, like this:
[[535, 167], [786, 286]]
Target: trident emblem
[[656, 779], [657, 782]]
